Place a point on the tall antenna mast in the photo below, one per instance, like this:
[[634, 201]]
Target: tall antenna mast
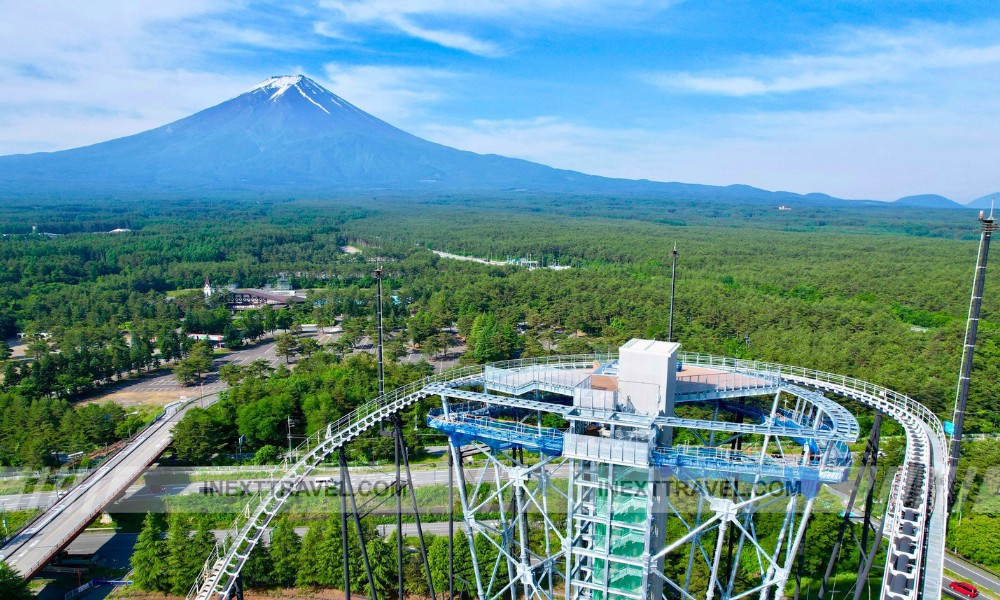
[[673, 282], [971, 328], [378, 323]]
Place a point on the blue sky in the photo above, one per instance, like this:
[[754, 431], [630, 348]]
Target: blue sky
[[874, 99]]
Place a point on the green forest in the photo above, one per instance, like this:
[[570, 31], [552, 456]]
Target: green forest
[[876, 293]]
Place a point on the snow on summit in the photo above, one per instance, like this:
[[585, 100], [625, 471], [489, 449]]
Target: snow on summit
[[286, 135], [281, 83], [278, 85]]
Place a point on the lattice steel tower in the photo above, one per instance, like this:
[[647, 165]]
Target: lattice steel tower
[[605, 492]]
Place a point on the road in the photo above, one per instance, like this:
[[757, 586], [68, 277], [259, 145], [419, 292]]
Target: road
[[31, 550], [114, 549], [28, 552], [27, 501], [982, 579], [136, 496]]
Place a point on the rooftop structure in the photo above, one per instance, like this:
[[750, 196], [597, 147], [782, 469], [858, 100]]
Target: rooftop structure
[[250, 298]]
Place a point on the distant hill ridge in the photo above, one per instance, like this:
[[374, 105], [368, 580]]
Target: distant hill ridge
[[985, 201], [928, 201], [288, 135]]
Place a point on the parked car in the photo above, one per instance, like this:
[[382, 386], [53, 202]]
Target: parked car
[[966, 589]]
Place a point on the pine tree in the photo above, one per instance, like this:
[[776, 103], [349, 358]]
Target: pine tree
[[313, 570], [481, 338], [178, 553], [285, 550], [12, 585], [359, 578], [383, 560], [489, 558], [333, 553], [149, 559], [258, 572], [437, 556], [202, 545], [463, 561]]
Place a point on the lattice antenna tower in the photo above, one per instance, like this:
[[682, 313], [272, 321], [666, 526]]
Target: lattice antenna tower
[[988, 224]]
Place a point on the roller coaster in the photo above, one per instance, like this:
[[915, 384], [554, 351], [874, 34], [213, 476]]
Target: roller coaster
[[599, 467]]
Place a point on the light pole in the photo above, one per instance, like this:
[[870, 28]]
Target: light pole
[[378, 318], [134, 412], [673, 281]]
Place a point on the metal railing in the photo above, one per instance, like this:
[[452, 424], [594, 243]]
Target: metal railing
[[543, 439], [885, 396], [919, 424], [715, 382], [787, 468], [80, 487], [587, 447], [226, 560]]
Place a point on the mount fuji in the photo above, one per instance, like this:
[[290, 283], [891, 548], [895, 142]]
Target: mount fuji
[[290, 136], [285, 135]]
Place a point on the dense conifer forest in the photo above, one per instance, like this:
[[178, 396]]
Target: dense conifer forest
[[878, 293]]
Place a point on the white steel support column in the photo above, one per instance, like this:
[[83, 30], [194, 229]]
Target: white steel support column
[[456, 461], [779, 591], [726, 511]]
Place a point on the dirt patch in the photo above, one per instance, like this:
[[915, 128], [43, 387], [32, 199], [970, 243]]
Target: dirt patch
[[17, 348], [130, 398]]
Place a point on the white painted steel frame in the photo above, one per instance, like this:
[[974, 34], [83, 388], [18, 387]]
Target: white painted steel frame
[[924, 434]]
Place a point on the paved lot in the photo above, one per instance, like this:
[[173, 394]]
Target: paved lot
[[440, 362], [163, 388]]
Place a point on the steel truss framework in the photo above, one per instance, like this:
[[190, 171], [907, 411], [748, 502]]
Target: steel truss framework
[[620, 510], [540, 507]]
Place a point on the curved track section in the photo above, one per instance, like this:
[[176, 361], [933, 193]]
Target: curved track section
[[227, 559], [918, 505], [916, 519]]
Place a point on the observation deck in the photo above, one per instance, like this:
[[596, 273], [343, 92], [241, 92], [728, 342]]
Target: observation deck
[[623, 431]]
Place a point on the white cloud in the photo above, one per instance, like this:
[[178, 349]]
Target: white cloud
[[447, 23], [849, 153], [857, 57], [80, 73], [328, 30], [448, 39], [393, 94]]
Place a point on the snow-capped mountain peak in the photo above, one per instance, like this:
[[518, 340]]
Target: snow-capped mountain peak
[[321, 98], [278, 84], [286, 135]]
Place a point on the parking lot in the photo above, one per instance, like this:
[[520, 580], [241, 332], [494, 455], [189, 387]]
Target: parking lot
[[162, 388]]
